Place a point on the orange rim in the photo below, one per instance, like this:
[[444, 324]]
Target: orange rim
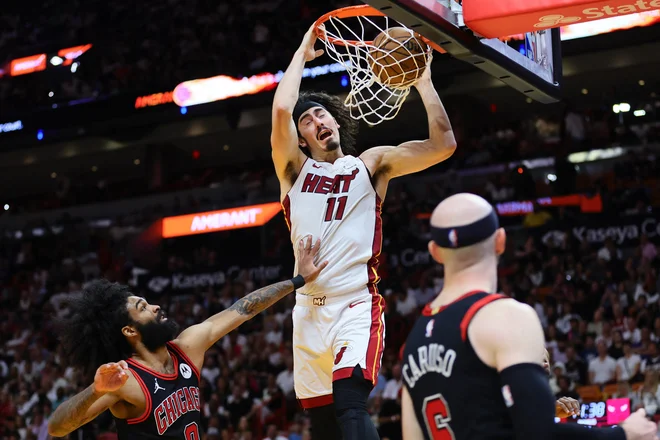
[[356, 11]]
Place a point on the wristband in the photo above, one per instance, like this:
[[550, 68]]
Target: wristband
[[298, 281]]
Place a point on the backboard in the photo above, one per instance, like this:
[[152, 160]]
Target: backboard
[[531, 66]]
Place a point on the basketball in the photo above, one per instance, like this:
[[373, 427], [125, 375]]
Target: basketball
[[398, 57]]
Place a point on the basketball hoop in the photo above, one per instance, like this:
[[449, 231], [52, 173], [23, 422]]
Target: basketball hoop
[[380, 74]]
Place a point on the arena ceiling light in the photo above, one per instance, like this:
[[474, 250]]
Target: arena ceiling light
[[594, 155], [221, 87], [623, 107], [39, 62]]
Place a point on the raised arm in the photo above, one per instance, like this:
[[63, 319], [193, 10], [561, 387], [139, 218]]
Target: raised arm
[[508, 336], [413, 156], [195, 340], [92, 401], [409, 424], [287, 157]]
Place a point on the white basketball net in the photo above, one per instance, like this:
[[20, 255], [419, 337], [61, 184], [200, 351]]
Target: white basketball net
[[372, 98]]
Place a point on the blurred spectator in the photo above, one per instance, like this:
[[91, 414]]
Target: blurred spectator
[[273, 434], [649, 394], [285, 378], [565, 389], [651, 360], [628, 366], [602, 369], [393, 387]]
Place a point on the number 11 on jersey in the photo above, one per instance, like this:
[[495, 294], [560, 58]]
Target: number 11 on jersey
[[335, 214]]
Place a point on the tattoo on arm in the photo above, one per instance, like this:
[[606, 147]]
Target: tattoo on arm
[[259, 300], [72, 414]]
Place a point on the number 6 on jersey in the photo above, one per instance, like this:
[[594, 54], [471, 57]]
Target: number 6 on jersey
[[437, 418]]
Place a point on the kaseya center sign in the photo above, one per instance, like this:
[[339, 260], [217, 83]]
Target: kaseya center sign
[[494, 19], [222, 220]]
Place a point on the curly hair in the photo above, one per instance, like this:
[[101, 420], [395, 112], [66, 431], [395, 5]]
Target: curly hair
[[348, 127], [91, 334]]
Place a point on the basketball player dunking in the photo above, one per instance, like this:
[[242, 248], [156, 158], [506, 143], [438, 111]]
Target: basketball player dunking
[[154, 393], [329, 193], [472, 362]]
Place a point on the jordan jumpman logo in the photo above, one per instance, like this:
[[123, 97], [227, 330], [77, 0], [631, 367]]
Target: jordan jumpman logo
[[158, 387]]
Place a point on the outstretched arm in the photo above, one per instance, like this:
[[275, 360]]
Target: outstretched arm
[[409, 424], [515, 352], [413, 156], [92, 401], [195, 340], [566, 407], [284, 135]]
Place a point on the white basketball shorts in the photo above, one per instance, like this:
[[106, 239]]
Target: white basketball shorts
[[332, 335]]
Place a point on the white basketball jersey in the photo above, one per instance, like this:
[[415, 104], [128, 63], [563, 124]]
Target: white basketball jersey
[[337, 203]]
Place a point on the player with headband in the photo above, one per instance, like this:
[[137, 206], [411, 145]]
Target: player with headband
[[472, 362], [327, 192]]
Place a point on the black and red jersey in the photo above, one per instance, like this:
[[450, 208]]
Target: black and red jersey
[[455, 395], [172, 401]]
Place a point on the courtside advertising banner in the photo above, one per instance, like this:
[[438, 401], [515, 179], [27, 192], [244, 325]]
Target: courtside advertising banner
[[23, 66], [222, 220], [184, 281], [625, 231], [494, 19]]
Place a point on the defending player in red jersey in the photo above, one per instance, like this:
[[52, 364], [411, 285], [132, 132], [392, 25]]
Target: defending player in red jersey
[[472, 362], [329, 193], [154, 392]]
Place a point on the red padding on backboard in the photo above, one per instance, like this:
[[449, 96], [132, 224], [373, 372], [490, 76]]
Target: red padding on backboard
[[501, 18]]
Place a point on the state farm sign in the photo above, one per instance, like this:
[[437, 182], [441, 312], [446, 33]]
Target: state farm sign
[[500, 19], [549, 21]]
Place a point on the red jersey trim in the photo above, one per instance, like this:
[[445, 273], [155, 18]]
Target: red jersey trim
[[286, 201], [371, 178], [376, 336], [175, 362], [147, 399], [185, 357], [286, 207], [315, 402], [429, 311], [474, 308], [376, 245]]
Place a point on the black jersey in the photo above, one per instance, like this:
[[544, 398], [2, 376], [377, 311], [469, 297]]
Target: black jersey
[[455, 395], [172, 402]]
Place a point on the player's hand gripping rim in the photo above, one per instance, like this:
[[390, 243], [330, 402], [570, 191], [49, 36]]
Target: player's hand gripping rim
[[307, 45], [307, 253], [110, 377]]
